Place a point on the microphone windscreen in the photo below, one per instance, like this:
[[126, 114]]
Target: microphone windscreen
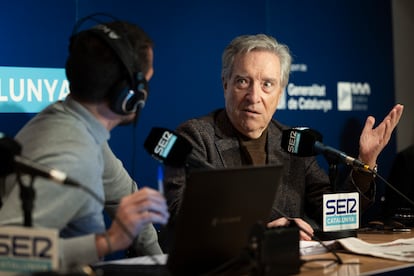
[[9, 148], [300, 141], [168, 147]]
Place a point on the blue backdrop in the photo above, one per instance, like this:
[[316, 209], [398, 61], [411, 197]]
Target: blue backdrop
[[342, 71]]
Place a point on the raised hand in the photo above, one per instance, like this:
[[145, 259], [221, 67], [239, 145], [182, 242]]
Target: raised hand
[[373, 140]]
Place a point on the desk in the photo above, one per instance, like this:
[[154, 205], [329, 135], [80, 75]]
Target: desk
[[368, 265]]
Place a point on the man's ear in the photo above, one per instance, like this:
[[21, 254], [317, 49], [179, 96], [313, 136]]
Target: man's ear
[[224, 83], [280, 95]]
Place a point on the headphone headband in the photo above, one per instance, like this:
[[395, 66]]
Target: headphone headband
[[127, 95]]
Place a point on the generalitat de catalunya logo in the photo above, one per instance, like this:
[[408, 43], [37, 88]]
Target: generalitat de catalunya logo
[[30, 89]]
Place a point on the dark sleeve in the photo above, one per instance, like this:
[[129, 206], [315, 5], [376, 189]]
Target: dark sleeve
[[402, 178], [364, 184], [174, 182], [199, 134]]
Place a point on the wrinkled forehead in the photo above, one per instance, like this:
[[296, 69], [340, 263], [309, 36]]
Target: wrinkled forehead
[[257, 60]]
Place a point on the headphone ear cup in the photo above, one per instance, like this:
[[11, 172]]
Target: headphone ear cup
[[126, 100], [122, 94]]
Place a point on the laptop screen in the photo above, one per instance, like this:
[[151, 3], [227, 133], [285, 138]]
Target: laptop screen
[[219, 209]]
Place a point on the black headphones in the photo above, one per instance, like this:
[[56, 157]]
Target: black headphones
[[126, 96]]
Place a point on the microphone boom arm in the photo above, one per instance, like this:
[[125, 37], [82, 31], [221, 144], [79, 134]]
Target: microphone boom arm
[[334, 154]]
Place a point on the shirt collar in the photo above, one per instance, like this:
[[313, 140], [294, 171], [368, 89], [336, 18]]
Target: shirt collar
[[100, 133]]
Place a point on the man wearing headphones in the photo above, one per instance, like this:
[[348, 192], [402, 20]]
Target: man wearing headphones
[[107, 68]]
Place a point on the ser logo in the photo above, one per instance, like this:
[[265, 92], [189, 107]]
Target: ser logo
[[349, 91], [165, 144], [25, 246], [340, 211], [28, 249], [293, 141], [341, 206]]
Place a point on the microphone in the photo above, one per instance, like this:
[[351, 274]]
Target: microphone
[[27, 166], [11, 161], [303, 141], [172, 149], [335, 154]]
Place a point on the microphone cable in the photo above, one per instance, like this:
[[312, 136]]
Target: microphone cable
[[376, 174], [134, 149], [331, 250], [134, 139]]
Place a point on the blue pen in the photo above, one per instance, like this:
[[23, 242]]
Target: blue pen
[[160, 179]]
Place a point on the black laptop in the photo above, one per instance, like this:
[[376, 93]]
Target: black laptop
[[220, 208]]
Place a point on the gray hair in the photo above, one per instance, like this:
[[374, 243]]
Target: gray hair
[[261, 42]]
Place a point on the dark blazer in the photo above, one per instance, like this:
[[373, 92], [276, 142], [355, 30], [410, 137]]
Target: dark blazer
[[215, 141]]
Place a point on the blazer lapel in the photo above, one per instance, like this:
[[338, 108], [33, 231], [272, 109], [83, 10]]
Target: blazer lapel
[[274, 149], [226, 141]]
